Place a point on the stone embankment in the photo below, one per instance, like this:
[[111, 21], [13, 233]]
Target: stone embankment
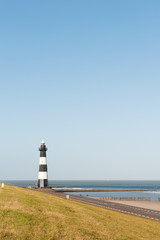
[[97, 190]]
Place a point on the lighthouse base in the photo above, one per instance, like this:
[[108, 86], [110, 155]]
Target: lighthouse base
[[42, 183]]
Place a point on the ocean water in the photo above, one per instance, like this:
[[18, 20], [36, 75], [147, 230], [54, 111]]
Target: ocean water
[[153, 186]]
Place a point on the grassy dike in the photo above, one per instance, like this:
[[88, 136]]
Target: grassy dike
[[27, 215]]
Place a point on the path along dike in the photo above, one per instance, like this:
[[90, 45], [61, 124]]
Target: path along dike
[[137, 210]]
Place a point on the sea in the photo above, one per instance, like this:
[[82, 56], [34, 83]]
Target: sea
[[152, 186]]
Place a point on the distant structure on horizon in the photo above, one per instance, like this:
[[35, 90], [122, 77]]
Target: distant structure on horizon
[[42, 177]]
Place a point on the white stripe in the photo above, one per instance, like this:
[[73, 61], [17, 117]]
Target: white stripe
[[42, 175], [42, 160]]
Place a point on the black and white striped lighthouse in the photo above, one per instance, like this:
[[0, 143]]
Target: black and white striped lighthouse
[[42, 177]]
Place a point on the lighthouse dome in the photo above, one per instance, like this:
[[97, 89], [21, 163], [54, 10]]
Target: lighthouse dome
[[42, 142]]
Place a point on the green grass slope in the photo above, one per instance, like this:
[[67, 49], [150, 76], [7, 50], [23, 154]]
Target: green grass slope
[[29, 215]]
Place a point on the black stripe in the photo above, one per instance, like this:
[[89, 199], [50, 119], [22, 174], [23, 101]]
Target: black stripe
[[43, 168], [42, 153], [45, 181]]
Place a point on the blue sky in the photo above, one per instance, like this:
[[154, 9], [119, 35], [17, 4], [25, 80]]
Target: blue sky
[[84, 76]]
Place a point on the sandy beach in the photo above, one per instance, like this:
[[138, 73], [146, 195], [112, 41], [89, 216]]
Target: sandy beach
[[153, 205]]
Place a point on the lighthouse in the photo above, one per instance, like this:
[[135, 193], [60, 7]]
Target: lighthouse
[[42, 177]]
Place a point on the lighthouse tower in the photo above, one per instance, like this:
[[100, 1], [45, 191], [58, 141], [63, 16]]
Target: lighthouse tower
[[42, 177]]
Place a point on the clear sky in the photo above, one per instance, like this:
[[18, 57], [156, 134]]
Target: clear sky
[[85, 77]]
